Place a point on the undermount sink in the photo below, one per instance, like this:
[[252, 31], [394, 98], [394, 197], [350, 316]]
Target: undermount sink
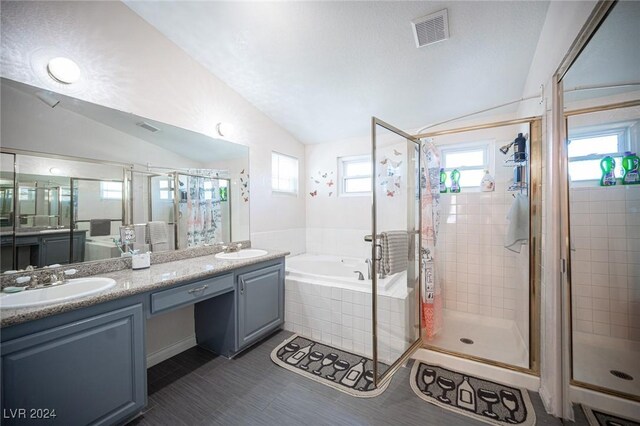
[[242, 254], [72, 289]]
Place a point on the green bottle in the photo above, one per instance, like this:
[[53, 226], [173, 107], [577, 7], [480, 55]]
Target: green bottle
[[455, 180], [443, 181], [608, 166], [630, 165]]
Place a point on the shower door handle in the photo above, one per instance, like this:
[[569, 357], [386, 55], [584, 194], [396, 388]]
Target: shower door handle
[[378, 255]]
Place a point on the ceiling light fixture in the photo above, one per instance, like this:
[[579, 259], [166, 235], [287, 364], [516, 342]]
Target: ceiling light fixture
[[63, 70], [224, 129], [55, 171]]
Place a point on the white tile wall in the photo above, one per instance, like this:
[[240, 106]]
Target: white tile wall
[[605, 260], [292, 240], [339, 242], [478, 274], [342, 318]]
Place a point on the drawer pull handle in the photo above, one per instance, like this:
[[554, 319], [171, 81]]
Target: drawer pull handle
[[195, 290]]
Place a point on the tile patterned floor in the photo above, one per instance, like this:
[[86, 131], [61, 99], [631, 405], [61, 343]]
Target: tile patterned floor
[[200, 388]]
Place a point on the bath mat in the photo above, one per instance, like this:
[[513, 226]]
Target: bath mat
[[345, 371], [601, 418], [475, 397]]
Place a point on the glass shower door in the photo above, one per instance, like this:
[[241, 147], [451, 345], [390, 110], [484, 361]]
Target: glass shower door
[[395, 247]]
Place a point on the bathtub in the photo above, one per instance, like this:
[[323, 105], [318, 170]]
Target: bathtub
[[334, 270], [325, 301]]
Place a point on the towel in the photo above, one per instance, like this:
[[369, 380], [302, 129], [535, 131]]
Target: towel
[[518, 228], [158, 236], [99, 227], [395, 251]]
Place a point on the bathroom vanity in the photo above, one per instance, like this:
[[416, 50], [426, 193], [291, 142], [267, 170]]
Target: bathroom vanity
[[84, 362]]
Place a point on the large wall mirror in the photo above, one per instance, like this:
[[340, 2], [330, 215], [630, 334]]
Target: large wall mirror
[[66, 197], [602, 111]]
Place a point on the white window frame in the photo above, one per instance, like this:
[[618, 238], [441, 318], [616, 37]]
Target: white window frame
[[622, 134], [107, 193], [342, 176], [296, 178], [488, 147], [166, 192]]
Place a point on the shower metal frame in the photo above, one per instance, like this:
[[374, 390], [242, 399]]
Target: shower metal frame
[[386, 376], [560, 116], [535, 234]]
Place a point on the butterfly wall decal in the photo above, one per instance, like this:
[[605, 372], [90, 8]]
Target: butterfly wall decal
[[330, 183], [396, 152], [384, 162], [314, 193], [390, 193]]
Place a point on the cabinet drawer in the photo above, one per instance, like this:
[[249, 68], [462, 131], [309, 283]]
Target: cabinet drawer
[[190, 293]]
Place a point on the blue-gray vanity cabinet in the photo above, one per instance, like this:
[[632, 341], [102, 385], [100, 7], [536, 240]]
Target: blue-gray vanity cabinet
[[260, 303], [231, 322], [90, 371]]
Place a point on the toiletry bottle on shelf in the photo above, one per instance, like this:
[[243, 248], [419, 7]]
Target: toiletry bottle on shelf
[[423, 178], [608, 166], [520, 148], [487, 183], [443, 181], [630, 166], [466, 395], [353, 375], [299, 356], [455, 181]]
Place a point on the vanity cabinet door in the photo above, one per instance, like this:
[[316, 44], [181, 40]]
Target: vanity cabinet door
[[90, 371], [260, 303]]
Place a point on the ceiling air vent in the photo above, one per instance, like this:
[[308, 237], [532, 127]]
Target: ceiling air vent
[[431, 28], [148, 126]]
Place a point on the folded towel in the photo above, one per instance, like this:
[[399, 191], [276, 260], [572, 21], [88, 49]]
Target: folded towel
[[518, 228], [395, 251], [158, 236], [99, 227]]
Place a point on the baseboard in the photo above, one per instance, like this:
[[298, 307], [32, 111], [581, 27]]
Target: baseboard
[[172, 350]]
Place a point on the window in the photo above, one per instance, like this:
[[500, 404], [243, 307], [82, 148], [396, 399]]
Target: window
[[111, 190], [355, 175], [284, 173], [166, 189], [470, 160], [587, 150]]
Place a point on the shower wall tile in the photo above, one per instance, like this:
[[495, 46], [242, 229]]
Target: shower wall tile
[[605, 266]]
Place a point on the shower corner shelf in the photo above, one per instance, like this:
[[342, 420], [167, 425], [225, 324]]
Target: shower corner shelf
[[512, 161], [517, 187]]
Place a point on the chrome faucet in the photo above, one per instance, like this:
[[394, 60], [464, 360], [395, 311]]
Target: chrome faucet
[[232, 248], [369, 267], [360, 276]]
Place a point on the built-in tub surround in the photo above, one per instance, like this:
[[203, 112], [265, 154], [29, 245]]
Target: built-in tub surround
[[324, 300], [130, 282]]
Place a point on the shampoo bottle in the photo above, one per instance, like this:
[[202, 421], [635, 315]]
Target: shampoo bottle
[[608, 166], [630, 165], [455, 181], [443, 181]]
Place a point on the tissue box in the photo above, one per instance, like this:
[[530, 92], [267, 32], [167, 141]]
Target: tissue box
[[141, 261]]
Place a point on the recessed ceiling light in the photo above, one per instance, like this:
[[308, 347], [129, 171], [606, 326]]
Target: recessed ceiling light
[[55, 171], [63, 70]]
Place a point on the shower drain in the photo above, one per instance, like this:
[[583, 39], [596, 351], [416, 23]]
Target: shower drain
[[466, 341], [621, 375]]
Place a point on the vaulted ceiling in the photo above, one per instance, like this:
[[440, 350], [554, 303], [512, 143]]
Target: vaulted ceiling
[[322, 69]]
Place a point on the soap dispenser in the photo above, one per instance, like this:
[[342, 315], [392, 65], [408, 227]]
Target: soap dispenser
[[630, 165], [455, 181], [487, 184]]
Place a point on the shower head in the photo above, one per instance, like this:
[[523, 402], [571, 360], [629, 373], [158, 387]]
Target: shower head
[[506, 148]]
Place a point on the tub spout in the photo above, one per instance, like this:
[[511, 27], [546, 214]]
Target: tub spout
[[368, 262], [360, 276]]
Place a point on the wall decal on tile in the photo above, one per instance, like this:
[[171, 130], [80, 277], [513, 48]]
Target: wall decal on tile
[[244, 186], [323, 181]]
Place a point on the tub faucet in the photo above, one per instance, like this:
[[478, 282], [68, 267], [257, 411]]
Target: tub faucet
[[369, 267], [360, 276]]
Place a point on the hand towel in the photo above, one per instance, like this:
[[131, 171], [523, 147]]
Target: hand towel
[[395, 251], [158, 236], [518, 228], [99, 227]]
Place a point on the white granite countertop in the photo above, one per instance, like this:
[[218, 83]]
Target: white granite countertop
[[130, 282]]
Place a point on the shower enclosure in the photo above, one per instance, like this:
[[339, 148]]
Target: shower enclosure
[[463, 292]]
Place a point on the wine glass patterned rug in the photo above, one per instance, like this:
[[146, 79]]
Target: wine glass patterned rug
[[475, 397], [602, 418], [342, 370]]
